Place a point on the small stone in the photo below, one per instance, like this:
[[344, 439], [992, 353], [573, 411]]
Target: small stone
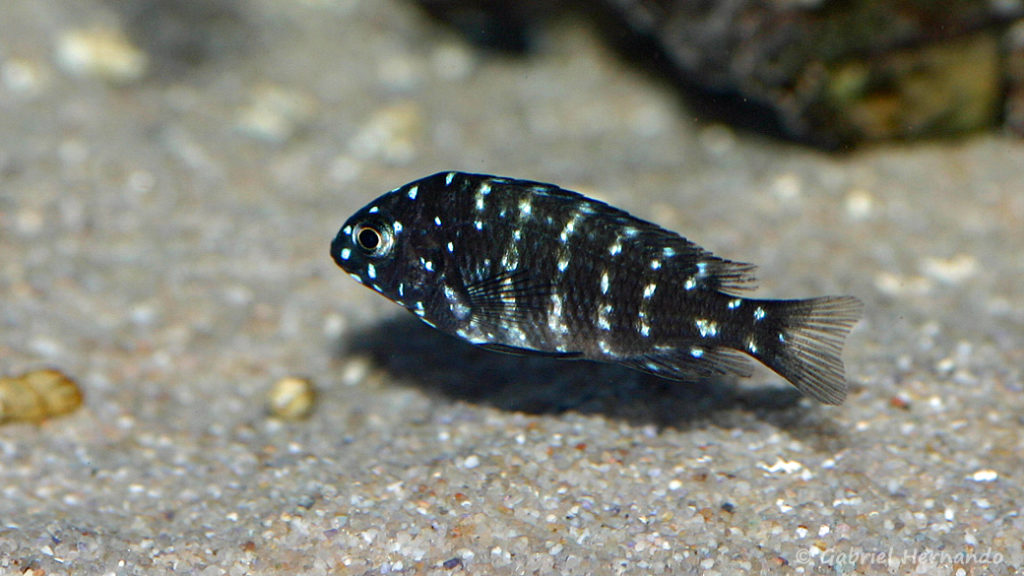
[[22, 77], [38, 395], [984, 476], [392, 134], [291, 398], [275, 114], [859, 204], [104, 53], [950, 270]]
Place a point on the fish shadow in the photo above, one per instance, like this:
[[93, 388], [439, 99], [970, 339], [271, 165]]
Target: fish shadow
[[441, 365]]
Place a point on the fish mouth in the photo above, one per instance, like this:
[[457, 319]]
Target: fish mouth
[[339, 243]]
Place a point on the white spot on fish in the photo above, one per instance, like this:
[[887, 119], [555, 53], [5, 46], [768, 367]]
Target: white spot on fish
[[735, 303], [782, 337], [606, 283], [397, 226], [555, 315], [570, 227], [702, 269], [347, 230], [605, 347], [448, 179], [759, 314], [524, 207], [428, 265], [752, 346], [451, 247], [412, 192], [517, 234], [356, 277], [696, 352], [603, 317], [707, 328], [655, 264], [485, 189], [645, 329], [563, 263], [373, 210], [345, 253], [668, 252], [437, 220], [690, 283], [478, 224], [649, 291], [371, 271], [615, 248], [480, 203], [510, 260], [629, 231], [517, 334]]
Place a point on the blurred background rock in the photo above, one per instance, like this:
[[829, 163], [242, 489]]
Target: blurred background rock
[[828, 72]]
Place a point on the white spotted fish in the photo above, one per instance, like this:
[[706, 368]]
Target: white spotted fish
[[527, 267]]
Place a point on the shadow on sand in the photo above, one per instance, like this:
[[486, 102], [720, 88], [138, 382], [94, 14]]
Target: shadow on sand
[[420, 356]]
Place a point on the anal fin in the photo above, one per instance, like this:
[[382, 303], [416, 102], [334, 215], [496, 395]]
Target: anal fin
[[689, 363], [506, 349]]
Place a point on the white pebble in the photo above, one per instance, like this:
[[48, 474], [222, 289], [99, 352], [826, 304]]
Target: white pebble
[[986, 475]]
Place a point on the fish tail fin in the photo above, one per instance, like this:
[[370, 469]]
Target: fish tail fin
[[802, 341]]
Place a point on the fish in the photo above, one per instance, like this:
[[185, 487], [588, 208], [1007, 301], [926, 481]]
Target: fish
[[525, 267]]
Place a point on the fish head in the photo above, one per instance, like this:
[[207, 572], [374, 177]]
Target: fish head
[[376, 249]]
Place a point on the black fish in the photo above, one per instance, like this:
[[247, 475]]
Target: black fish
[[526, 267]]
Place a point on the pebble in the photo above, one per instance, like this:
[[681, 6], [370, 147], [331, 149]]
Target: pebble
[[859, 204], [390, 134], [104, 53], [37, 395], [275, 114], [950, 270], [291, 398]]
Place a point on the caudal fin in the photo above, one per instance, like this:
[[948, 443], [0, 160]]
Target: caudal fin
[[802, 341]]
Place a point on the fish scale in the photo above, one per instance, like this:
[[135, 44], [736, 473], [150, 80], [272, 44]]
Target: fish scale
[[530, 268]]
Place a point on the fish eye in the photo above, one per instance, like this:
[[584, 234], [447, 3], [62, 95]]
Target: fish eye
[[374, 240]]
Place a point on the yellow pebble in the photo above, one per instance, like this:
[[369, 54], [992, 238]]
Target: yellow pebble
[[291, 398], [37, 395]]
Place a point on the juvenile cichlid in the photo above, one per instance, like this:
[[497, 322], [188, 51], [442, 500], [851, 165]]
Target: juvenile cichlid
[[526, 267]]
